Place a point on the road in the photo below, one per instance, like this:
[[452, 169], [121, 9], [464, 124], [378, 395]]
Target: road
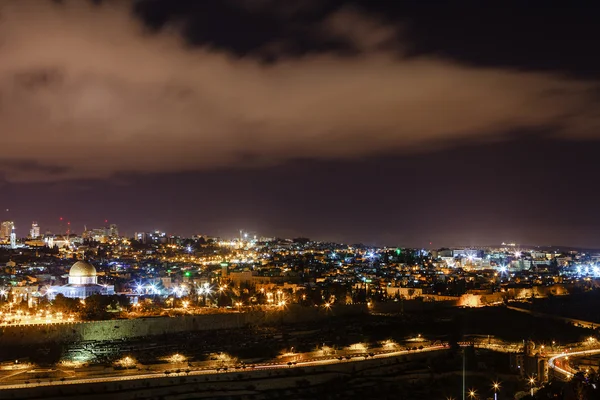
[[579, 322], [560, 364], [156, 375]]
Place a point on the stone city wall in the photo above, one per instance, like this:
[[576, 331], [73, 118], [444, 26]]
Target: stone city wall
[[140, 327], [538, 291]]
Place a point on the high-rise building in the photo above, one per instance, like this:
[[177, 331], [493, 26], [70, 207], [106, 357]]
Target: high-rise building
[[113, 231], [141, 237], [6, 228], [35, 230], [13, 238]]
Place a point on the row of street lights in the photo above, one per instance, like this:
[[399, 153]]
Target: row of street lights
[[472, 393]]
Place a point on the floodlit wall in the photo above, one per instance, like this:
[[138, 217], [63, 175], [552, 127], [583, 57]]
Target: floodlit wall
[[131, 328], [537, 291]]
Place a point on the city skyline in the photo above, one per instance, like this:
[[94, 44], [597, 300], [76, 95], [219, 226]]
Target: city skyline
[[266, 124], [63, 228], [523, 220]]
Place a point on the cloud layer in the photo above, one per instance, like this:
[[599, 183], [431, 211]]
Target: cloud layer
[[87, 92]]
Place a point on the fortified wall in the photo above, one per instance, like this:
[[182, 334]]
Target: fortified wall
[[140, 327]]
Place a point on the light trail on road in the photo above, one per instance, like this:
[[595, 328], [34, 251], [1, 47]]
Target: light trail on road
[[566, 374], [328, 361]]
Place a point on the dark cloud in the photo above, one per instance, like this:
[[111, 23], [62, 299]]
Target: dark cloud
[[32, 165], [89, 92], [281, 9]]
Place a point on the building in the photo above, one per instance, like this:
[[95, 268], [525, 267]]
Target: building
[[34, 233], [241, 277], [59, 242], [113, 231], [83, 282], [13, 238], [141, 237], [6, 228]]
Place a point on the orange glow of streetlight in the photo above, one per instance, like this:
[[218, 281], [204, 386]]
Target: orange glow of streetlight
[[532, 383], [496, 388], [126, 362], [177, 358]]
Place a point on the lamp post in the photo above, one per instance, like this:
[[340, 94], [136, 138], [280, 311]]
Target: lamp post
[[472, 394], [531, 383], [496, 387], [464, 389]]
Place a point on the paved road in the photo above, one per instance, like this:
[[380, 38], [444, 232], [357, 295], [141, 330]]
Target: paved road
[[309, 363], [560, 365], [585, 324]]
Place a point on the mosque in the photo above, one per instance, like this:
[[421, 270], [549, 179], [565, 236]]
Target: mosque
[[83, 282]]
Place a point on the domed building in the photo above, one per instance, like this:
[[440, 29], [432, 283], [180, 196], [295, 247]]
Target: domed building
[[83, 282], [83, 273]]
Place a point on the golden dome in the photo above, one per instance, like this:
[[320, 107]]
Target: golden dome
[[82, 269]]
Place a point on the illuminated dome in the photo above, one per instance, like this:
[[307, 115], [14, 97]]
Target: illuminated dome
[[82, 273]]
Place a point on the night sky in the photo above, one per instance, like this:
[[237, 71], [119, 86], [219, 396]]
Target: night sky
[[388, 123]]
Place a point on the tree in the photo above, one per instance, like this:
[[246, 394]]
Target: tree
[[118, 301], [95, 307], [66, 304]]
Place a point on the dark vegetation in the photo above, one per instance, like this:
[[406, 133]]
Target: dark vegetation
[[579, 305]]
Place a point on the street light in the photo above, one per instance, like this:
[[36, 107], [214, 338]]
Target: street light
[[472, 393], [531, 383], [496, 388], [177, 358], [126, 362]]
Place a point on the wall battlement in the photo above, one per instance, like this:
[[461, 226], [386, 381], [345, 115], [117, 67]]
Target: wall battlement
[[140, 327]]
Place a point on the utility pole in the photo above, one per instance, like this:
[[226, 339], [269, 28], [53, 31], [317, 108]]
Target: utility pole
[[464, 386]]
